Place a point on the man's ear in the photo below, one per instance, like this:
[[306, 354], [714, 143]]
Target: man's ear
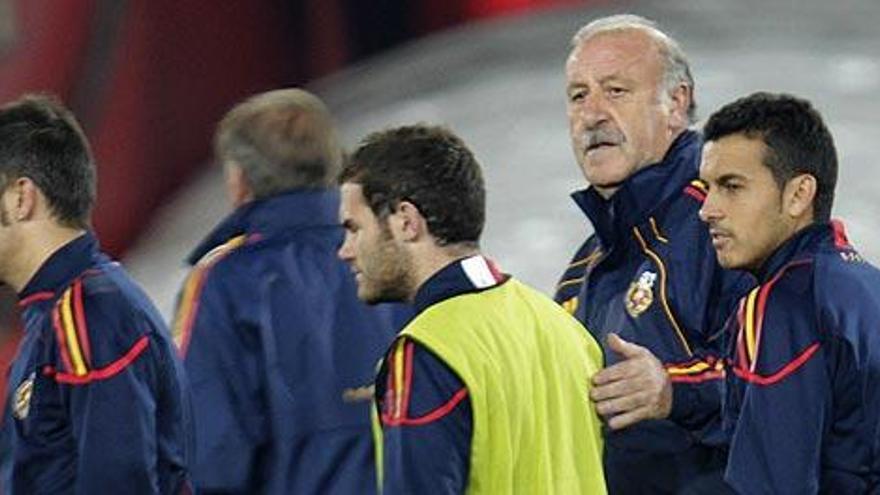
[[23, 199], [407, 223], [799, 196], [238, 188], [680, 101]]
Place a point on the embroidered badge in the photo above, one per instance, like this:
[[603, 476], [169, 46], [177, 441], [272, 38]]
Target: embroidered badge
[[640, 294], [22, 402]]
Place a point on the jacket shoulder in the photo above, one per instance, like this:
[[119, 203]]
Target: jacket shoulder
[[99, 326]]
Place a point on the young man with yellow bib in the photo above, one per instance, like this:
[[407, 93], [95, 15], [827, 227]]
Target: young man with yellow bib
[[486, 389]]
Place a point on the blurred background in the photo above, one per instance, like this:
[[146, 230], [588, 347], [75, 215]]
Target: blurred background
[[150, 78]]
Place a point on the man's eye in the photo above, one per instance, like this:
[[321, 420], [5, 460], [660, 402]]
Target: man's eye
[[576, 96], [616, 91]]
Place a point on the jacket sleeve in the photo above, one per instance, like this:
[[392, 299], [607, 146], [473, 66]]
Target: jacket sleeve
[[426, 422], [698, 382], [221, 356], [107, 372], [779, 394]]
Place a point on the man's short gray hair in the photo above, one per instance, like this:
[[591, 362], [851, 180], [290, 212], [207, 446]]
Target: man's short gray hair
[[677, 69], [282, 140]]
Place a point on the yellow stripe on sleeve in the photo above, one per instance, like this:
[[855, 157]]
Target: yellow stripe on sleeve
[[700, 185], [76, 357], [399, 359], [695, 368], [750, 324], [186, 304]]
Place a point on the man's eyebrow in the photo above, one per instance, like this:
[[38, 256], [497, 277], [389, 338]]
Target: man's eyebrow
[[729, 177]]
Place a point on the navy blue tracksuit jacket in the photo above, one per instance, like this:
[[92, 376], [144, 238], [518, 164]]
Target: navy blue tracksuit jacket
[[803, 398], [649, 274], [97, 402], [280, 353]]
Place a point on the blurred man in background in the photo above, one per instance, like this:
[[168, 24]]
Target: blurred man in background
[[485, 390], [802, 402], [646, 283], [97, 402], [279, 350]]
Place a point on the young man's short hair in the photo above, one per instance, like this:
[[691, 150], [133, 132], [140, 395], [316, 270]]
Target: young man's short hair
[[40, 139], [797, 140], [428, 166]]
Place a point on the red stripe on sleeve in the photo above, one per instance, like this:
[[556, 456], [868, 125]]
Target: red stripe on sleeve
[[742, 357], [390, 399], [695, 193], [37, 296], [104, 373], [782, 373], [62, 340], [190, 317], [407, 378], [706, 376], [434, 415], [82, 330]]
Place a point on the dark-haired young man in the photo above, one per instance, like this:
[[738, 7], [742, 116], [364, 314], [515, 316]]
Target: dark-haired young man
[[485, 390], [280, 352], [97, 401], [802, 402]]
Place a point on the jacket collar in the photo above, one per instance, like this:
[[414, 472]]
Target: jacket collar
[[274, 215], [803, 245], [62, 266], [472, 274], [643, 191]]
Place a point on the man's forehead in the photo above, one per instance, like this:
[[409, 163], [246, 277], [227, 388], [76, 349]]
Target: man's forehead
[[734, 154], [614, 51], [353, 203]]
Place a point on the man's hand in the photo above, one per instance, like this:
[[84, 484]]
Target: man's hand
[[632, 390]]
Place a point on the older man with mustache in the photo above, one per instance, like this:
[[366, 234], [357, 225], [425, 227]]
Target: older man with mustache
[[646, 283]]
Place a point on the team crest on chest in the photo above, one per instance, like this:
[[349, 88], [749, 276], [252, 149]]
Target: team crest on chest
[[22, 400], [640, 294]]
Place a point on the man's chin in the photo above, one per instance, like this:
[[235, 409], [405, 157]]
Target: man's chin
[[605, 180], [729, 262], [373, 298]]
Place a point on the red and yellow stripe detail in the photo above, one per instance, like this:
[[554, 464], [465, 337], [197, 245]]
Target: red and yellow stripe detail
[[697, 189], [395, 407], [103, 373], [750, 317], [750, 320], [697, 371], [71, 331], [188, 306]]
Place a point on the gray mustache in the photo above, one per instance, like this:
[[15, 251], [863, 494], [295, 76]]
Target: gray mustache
[[602, 135]]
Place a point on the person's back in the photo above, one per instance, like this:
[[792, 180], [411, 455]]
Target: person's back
[[279, 350]]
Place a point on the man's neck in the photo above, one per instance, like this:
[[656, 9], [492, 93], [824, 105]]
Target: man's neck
[[432, 259], [39, 243]]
